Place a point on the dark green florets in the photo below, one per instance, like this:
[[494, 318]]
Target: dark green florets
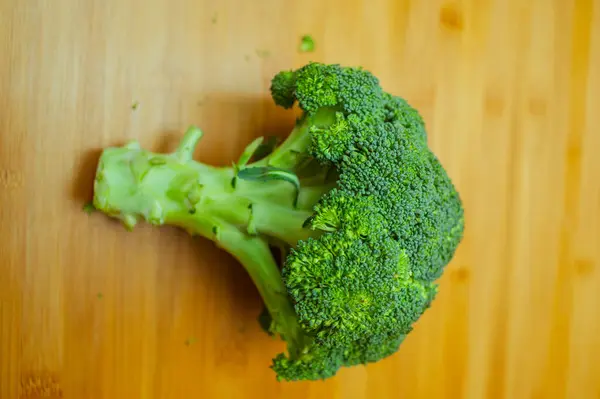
[[347, 288], [379, 146], [390, 226], [283, 86], [319, 362]]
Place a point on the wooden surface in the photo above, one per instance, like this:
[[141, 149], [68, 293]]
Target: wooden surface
[[510, 90]]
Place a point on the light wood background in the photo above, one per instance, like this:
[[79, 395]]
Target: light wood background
[[510, 90]]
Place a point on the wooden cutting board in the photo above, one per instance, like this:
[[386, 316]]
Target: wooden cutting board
[[510, 90]]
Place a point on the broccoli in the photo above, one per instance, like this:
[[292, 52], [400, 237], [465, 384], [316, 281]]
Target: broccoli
[[307, 44], [363, 216]]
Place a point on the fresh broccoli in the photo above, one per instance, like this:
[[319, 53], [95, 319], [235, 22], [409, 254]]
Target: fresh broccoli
[[362, 213]]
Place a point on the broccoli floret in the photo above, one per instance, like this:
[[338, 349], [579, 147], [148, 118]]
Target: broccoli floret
[[364, 215]]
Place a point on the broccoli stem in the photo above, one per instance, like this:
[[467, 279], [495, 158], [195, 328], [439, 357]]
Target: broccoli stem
[[133, 184], [286, 155], [254, 254]]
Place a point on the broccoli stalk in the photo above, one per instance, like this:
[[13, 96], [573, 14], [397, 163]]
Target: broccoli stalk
[[244, 215], [364, 213]]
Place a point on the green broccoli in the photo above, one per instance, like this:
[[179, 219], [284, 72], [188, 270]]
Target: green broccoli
[[363, 214], [307, 44]]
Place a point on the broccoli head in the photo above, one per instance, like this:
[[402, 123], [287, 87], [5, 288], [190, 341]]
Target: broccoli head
[[363, 214]]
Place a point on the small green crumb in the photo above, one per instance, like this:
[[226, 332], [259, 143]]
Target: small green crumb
[[307, 44], [214, 18], [99, 295], [190, 341], [135, 105], [89, 207]]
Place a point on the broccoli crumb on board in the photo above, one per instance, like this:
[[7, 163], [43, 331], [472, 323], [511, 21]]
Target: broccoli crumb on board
[[307, 44], [363, 214]]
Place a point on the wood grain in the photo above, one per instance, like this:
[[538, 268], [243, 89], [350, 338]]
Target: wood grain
[[510, 91]]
